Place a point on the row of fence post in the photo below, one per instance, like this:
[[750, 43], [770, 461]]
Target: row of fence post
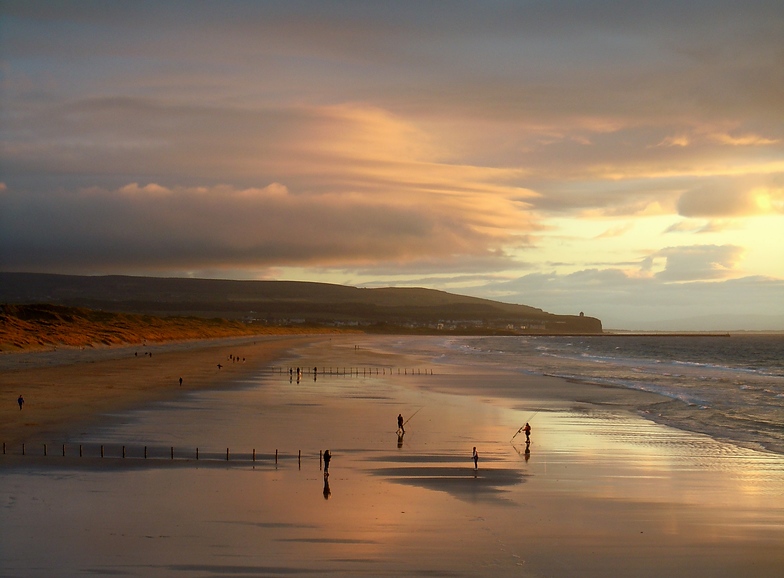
[[354, 370], [171, 452]]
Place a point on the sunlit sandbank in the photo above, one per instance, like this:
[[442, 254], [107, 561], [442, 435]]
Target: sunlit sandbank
[[599, 491]]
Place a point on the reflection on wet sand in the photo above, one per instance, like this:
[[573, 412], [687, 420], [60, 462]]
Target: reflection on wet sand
[[462, 483]]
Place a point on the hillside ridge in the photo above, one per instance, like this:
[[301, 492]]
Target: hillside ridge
[[287, 302]]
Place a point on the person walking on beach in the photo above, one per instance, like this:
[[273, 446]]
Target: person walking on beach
[[475, 457], [527, 430], [20, 401], [400, 423], [180, 382], [327, 457]]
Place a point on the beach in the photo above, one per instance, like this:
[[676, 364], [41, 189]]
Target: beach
[[601, 490]]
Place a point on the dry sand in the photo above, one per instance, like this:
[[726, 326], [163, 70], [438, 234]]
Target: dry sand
[[600, 491], [67, 389]]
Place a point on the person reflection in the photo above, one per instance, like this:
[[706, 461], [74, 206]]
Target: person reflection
[[327, 491], [527, 453], [400, 439]]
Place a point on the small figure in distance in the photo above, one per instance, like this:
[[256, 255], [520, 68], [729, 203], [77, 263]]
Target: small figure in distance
[[475, 457], [20, 401], [180, 382], [327, 457], [400, 423], [527, 430]]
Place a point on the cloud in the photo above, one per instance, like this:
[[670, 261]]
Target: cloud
[[617, 231], [699, 262], [744, 140], [153, 227], [675, 141], [700, 226], [731, 197]]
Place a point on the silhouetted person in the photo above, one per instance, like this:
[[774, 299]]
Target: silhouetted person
[[527, 430], [327, 457], [180, 381], [400, 423], [475, 457], [20, 401]]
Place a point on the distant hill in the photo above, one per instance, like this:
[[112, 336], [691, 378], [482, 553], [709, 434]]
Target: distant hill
[[290, 302]]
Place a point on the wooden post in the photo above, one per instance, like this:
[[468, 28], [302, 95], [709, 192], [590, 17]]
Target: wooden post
[[23, 452], [123, 451], [227, 454], [3, 448], [63, 450], [145, 452], [101, 450], [44, 449], [276, 456], [254, 454], [320, 458], [172, 452], [197, 453], [80, 450]]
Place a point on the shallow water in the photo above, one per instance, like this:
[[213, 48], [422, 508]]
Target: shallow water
[[731, 388]]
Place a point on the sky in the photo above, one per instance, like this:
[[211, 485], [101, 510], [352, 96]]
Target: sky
[[625, 160]]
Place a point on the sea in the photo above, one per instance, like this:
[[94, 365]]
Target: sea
[[729, 387]]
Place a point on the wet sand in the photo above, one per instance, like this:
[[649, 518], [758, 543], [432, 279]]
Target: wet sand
[[601, 491]]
